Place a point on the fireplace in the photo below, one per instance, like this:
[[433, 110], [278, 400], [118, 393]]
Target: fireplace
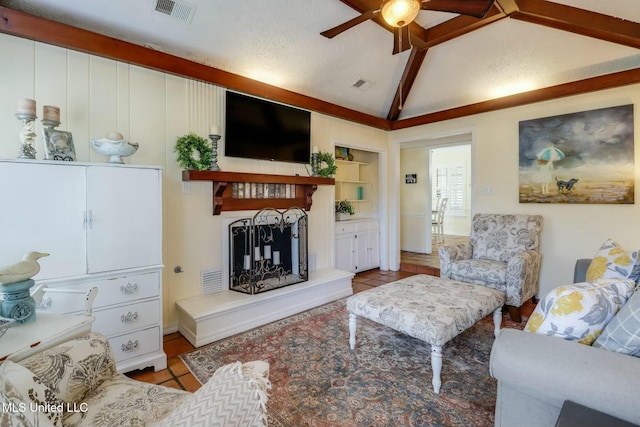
[[268, 251]]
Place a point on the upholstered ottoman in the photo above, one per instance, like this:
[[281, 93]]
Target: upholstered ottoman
[[428, 308]]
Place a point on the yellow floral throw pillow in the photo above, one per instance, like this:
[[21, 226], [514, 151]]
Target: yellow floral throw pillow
[[611, 261], [579, 312]]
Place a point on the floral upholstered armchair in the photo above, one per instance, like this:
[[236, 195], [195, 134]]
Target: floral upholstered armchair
[[76, 384], [502, 253]]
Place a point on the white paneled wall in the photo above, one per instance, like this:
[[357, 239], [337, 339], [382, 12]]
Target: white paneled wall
[[97, 96], [206, 107]]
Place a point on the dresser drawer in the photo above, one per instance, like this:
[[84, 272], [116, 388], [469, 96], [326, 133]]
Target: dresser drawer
[[112, 291], [135, 344], [126, 289], [118, 320]]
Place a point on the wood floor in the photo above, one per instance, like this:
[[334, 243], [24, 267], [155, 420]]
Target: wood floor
[[428, 263], [177, 375]]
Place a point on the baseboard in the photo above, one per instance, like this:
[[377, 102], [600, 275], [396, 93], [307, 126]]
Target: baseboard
[[170, 329]]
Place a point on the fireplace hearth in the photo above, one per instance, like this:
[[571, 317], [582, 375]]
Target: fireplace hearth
[[268, 251]]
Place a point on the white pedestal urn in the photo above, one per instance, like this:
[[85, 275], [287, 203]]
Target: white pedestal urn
[[115, 146]]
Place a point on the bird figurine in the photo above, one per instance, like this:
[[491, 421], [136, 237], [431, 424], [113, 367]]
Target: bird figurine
[[115, 146], [23, 270]]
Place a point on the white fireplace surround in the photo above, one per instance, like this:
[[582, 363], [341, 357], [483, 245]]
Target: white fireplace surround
[[207, 318]]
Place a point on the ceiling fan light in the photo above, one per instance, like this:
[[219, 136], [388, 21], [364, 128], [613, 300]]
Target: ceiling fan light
[[399, 13]]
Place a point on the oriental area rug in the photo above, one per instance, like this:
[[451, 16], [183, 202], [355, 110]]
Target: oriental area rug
[[386, 381]]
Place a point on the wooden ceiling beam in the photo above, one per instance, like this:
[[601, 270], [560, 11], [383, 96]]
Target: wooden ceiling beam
[[455, 27], [425, 38], [535, 11], [507, 6], [43, 30], [406, 82], [579, 21], [608, 81], [422, 39]]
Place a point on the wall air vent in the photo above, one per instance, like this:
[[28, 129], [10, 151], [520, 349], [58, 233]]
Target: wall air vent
[[211, 281], [176, 9]]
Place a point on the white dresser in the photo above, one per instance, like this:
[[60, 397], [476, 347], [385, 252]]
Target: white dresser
[[102, 226]]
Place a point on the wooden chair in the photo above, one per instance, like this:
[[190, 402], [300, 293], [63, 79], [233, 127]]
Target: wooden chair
[[437, 220]]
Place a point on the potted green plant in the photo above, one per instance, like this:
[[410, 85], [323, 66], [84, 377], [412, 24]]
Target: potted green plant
[[344, 210]]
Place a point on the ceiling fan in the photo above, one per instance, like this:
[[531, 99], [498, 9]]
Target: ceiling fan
[[400, 13]]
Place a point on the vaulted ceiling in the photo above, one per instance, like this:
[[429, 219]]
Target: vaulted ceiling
[[519, 47]]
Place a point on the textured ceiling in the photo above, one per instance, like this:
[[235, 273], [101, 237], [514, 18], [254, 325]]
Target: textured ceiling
[[279, 42]]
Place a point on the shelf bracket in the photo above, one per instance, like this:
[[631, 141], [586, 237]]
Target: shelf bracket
[[218, 189], [309, 189]]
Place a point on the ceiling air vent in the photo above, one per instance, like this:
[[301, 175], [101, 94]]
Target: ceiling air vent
[[362, 84], [179, 10]]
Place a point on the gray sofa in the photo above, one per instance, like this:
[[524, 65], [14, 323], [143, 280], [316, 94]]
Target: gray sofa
[[537, 373]]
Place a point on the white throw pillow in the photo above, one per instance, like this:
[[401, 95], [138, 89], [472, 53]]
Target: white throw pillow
[[236, 395]]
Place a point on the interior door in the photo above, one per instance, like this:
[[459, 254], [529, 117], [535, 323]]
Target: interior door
[[124, 211]]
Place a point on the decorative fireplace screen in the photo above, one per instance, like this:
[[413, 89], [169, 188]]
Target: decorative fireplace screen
[[268, 251]]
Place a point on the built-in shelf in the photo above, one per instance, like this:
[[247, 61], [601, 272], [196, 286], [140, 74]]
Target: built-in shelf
[[262, 190], [348, 178]]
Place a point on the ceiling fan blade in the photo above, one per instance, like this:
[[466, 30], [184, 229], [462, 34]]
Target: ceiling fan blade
[[331, 33], [401, 40], [475, 8]]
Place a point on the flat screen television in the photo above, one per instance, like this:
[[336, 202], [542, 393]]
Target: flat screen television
[[260, 129]]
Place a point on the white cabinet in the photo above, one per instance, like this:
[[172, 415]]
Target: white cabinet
[[368, 242], [43, 207], [89, 218], [357, 245], [102, 226], [123, 208], [345, 251]]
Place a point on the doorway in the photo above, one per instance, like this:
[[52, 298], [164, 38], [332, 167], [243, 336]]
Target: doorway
[[431, 169], [450, 170]]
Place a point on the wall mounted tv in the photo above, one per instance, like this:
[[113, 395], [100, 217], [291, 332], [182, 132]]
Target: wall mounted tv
[[259, 129]]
